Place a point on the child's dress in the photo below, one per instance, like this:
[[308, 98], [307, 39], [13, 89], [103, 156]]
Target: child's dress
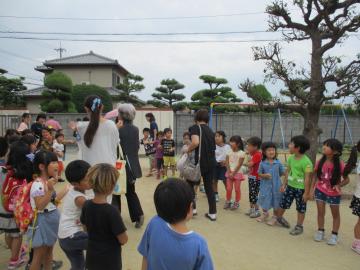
[[269, 194], [45, 230]]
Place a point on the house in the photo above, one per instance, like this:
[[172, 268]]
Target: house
[[89, 68]]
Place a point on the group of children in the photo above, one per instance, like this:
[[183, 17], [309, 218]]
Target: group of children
[[272, 186]]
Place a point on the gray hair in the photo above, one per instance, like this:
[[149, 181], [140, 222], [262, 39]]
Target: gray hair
[[127, 111]]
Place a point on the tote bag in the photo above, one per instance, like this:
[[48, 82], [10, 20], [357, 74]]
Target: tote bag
[[120, 186], [191, 171]]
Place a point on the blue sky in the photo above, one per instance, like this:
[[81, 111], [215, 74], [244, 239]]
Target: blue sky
[[153, 61]]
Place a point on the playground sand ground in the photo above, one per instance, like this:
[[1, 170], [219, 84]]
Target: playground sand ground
[[237, 242]]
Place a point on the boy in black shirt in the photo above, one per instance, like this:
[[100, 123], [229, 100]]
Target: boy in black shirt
[[150, 150], [168, 146]]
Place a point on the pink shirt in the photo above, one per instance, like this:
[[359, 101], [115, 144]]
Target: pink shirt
[[22, 127], [54, 124], [324, 183]]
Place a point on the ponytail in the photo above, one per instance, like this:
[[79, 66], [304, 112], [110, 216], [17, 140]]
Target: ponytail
[[351, 163], [94, 104]]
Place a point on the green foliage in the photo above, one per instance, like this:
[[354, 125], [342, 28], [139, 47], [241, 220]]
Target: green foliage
[[80, 92], [58, 95], [131, 84], [260, 94], [8, 91], [216, 93], [165, 95]]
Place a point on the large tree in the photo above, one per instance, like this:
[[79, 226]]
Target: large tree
[[80, 92], [325, 24], [166, 95], [8, 91], [130, 85], [217, 92], [58, 93]]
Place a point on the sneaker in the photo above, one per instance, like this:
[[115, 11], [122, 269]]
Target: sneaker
[[319, 236], [356, 247], [297, 230], [263, 217], [202, 189], [333, 240], [250, 211], [140, 222], [56, 264], [283, 222], [194, 212], [235, 206], [16, 264], [211, 217], [255, 214], [272, 221], [227, 205], [216, 197]]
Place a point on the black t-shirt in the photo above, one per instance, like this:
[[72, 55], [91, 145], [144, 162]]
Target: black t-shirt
[[208, 146], [103, 223], [37, 129], [149, 148], [168, 147]]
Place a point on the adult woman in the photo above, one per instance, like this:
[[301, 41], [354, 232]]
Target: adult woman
[[25, 122], [207, 156], [129, 141], [99, 137], [153, 126]]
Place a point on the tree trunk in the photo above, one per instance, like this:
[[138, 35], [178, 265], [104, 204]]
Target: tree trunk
[[312, 130]]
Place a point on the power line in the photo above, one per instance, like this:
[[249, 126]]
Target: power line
[[26, 77], [133, 18], [136, 34], [19, 56], [142, 41]]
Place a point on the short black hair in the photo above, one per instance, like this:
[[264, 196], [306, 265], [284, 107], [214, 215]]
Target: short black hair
[[222, 134], [172, 199], [47, 129], [166, 130], [4, 146], [146, 130], [254, 141], [59, 134], [267, 145], [239, 142], [186, 133], [202, 116], [76, 171], [27, 132], [28, 139], [25, 115], [45, 158], [302, 142], [40, 115]]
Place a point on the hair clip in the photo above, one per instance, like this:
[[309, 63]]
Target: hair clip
[[95, 104]]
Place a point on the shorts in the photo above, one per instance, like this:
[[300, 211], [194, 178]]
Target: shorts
[[159, 163], [289, 195], [169, 162], [321, 196], [46, 229], [151, 161], [8, 225], [355, 206], [254, 187], [220, 172]]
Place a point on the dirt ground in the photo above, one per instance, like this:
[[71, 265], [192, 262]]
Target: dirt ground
[[237, 242]]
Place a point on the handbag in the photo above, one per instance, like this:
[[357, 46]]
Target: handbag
[[121, 183], [192, 172]]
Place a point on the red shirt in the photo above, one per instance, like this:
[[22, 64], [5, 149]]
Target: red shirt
[[255, 159]]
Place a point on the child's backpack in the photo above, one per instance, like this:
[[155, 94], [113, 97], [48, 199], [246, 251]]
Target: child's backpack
[[23, 213], [10, 190]]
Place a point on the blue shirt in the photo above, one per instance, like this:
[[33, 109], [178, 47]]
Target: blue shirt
[[153, 126], [165, 249]]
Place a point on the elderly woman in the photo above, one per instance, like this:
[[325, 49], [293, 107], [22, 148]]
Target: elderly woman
[[129, 142]]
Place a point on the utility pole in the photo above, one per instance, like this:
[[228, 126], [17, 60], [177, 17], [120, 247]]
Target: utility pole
[[60, 50]]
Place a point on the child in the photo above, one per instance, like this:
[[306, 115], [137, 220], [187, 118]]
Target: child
[[72, 238], [59, 148], [149, 149], [329, 176], [355, 205], [253, 147], [46, 142], [270, 171], [234, 160], [43, 199], [168, 146], [220, 154], [106, 230], [297, 183], [159, 154], [167, 242]]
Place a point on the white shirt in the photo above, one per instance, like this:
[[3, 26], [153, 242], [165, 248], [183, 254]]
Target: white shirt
[[70, 215], [234, 158], [357, 189], [38, 189], [221, 152], [103, 147], [58, 147]]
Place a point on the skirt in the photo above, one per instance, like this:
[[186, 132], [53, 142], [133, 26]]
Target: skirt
[[45, 231], [355, 206]]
